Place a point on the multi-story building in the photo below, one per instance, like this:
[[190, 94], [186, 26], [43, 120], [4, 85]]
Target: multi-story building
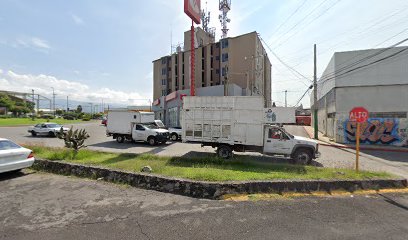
[[235, 65], [375, 79]]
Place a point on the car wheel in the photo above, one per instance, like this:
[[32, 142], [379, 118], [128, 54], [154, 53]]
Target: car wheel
[[152, 141], [51, 134], [224, 152], [302, 156], [174, 137], [120, 139], [33, 133]]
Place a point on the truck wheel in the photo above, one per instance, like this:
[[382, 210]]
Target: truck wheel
[[33, 133], [152, 141], [174, 136], [51, 134], [302, 156], [224, 152], [120, 139]]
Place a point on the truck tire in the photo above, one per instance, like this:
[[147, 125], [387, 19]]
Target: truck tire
[[152, 141], [51, 134], [302, 156], [224, 151], [174, 137], [120, 138]]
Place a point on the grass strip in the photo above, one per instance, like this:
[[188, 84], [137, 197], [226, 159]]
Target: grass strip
[[203, 168]]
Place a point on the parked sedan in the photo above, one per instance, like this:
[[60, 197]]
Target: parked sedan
[[47, 129], [14, 157], [175, 133]]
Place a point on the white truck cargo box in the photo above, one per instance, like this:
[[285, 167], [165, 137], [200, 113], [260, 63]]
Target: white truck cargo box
[[280, 115], [122, 120], [232, 120]]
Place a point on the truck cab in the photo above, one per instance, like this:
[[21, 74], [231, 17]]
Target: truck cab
[[279, 142]]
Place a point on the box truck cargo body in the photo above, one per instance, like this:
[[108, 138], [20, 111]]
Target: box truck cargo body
[[241, 124]]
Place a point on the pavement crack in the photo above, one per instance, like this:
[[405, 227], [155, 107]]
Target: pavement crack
[[141, 229]]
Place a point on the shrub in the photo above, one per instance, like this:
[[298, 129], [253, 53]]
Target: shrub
[[74, 140]]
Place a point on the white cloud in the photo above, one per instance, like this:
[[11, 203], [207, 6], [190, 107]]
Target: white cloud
[[42, 84], [77, 19], [40, 43], [31, 42]]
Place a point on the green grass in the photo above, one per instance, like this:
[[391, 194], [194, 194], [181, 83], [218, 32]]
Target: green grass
[[28, 121], [206, 169]]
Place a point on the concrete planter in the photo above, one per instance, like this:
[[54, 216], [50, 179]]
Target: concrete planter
[[212, 190]]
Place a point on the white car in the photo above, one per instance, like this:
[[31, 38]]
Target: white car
[[175, 133], [47, 129], [14, 157]]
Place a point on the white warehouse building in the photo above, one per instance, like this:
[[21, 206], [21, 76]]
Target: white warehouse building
[[376, 79]]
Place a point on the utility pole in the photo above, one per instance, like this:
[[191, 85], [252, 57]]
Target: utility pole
[[316, 125], [53, 100], [286, 98], [67, 105], [32, 90]]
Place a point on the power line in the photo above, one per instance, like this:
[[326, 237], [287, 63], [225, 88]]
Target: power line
[[288, 18], [281, 61], [299, 22]]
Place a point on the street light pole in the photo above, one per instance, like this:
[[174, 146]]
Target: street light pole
[[316, 125], [53, 101]]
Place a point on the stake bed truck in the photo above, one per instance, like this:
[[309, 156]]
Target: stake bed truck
[[241, 124]]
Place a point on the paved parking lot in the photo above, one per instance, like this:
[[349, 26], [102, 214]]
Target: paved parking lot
[[394, 162], [46, 206]]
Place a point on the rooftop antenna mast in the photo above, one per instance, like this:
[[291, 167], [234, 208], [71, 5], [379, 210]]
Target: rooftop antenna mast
[[205, 18], [225, 7]]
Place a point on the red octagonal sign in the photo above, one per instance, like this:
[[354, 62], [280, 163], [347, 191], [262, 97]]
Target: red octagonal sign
[[358, 114]]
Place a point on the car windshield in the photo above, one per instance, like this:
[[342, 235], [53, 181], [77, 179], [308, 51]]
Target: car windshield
[[150, 126], [6, 145], [54, 126], [290, 135], [160, 124]]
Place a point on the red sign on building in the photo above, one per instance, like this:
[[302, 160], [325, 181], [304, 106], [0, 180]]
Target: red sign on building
[[358, 114], [192, 9]]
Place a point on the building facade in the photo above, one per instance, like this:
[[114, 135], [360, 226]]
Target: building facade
[[232, 63], [376, 79]]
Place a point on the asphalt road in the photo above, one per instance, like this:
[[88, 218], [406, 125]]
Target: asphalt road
[[393, 162], [45, 206]]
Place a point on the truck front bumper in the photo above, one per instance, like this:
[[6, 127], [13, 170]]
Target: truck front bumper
[[163, 138]]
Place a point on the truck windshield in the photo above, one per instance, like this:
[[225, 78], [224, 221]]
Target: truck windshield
[[150, 126]]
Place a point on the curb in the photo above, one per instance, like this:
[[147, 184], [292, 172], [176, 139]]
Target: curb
[[212, 190], [329, 144]]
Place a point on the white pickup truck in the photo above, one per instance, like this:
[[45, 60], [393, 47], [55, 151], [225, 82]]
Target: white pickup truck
[[124, 124], [241, 124]]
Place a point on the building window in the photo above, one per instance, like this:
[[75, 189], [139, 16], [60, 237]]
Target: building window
[[163, 82], [182, 81], [182, 69], [217, 71], [182, 57], [203, 52], [217, 45], [212, 62], [202, 64], [163, 71], [224, 43], [225, 57], [212, 49], [202, 79], [169, 69], [163, 60], [217, 58], [163, 92], [176, 59], [176, 81], [223, 71]]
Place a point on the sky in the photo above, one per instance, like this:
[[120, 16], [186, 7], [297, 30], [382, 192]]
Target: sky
[[102, 50]]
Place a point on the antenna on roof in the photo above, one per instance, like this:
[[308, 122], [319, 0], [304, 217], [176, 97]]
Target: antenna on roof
[[225, 7]]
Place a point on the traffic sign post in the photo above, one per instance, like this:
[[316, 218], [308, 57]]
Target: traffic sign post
[[359, 115]]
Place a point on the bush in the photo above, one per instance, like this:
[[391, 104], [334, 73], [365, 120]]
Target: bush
[[74, 140], [47, 116], [70, 116], [5, 116], [86, 119]]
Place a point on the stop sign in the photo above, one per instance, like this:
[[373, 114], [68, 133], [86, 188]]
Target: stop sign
[[358, 114]]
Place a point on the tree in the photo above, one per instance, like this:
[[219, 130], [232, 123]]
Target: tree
[[79, 109], [6, 102]]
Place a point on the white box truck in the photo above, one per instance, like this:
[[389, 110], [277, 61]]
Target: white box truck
[[240, 124], [124, 124]]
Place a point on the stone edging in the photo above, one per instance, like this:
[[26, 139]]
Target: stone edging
[[212, 190]]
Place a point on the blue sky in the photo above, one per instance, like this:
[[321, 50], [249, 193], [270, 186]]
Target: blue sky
[[102, 49]]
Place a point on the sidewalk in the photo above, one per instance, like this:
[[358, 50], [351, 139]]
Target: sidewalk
[[325, 141]]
